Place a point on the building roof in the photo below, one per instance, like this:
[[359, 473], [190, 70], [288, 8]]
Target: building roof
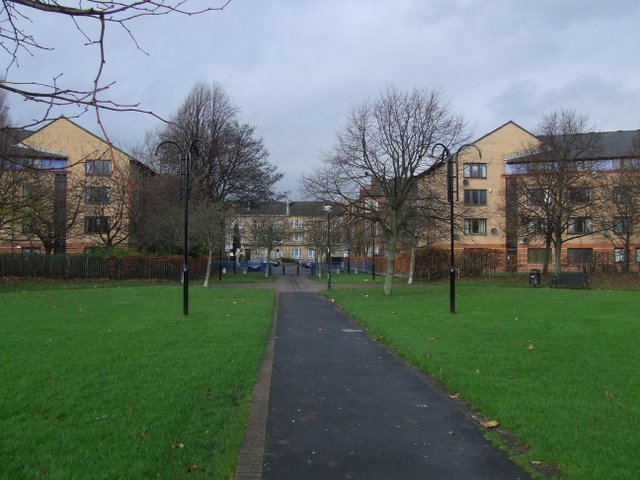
[[604, 146], [295, 209]]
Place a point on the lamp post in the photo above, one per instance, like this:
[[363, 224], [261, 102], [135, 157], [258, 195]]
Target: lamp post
[[451, 190], [327, 208], [185, 195]]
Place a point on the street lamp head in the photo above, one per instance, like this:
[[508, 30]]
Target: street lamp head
[[327, 208]]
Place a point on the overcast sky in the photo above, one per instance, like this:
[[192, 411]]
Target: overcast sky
[[296, 67]]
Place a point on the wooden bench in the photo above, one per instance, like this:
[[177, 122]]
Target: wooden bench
[[570, 278]]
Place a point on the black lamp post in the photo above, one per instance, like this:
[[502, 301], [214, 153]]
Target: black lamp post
[[327, 208], [185, 195], [451, 190]]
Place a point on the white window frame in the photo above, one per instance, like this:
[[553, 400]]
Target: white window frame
[[470, 223]]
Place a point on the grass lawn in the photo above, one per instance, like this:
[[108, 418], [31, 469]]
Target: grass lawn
[[29, 283], [559, 368], [115, 383]]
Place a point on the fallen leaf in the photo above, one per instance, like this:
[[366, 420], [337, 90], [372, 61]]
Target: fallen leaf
[[144, 434], [608, 394], [531, 346], [455, 396], [490, 424], [192, 468]]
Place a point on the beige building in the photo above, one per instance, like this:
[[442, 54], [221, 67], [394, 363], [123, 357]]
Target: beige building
[[487, 211], [78, 194], [297, 224]]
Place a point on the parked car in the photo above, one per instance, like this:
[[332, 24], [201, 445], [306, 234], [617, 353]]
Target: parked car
[[307, 264], [254, 266], [274, 263]]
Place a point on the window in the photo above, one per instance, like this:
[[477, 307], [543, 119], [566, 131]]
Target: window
[[97, 167], [296, 238], [579, 255], [29, 191], [580, 225], [30, 225], [536, 226], [96, 224], [297, 223], [538, 196], [638, 255], [621, 194], [535, 255], [97, 195], [622, 225], [296, 253], [475, 197], [30, 251], [311, 254], [475, 226], [371, 204], [580, 195], [619, 255], [475, 170]]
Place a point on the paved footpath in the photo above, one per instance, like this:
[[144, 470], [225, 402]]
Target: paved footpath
[[342, 407]]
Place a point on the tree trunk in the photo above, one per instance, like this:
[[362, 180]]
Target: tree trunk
[[267, 266], [412, 265], [391, 261], [627, 258], [208, 274], [547, 256], [558, 259]]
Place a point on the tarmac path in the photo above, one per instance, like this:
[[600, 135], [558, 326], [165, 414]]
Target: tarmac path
[[342, 407]]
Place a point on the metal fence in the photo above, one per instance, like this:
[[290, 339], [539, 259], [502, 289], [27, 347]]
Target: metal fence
[[90, 267]]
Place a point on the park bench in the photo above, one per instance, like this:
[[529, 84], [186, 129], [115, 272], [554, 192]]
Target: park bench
[[570, 278]]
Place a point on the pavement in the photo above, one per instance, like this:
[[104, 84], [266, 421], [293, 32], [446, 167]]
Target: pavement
[[331, 403]]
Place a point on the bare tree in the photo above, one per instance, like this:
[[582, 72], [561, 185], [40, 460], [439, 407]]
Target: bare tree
[[232, 163], [384, 147], [622, 198], [12, 175], [208, 222], [109, 199], [268, 232], [555, 194], [157, 216], [93, 21], [52, 209]]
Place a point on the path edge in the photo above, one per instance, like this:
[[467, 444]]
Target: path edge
[[251, 457]]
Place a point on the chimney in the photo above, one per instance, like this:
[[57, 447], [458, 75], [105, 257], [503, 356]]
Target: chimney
[[288, 204]]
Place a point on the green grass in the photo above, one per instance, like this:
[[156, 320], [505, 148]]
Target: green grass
[[115, 383], [559, 368], [9, 284]]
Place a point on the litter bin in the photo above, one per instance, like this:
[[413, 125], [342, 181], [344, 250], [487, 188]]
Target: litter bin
[[534, 277]]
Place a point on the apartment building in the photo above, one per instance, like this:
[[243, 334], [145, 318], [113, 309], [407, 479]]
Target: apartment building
[[76, 191], [499, 208], [298, 227]]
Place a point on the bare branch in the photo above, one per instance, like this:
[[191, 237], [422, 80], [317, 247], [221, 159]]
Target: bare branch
[[17, 40]]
